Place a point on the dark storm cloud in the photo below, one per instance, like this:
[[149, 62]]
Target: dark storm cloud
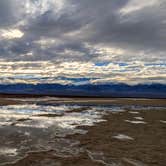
[[6, 13], [10, 12], [84, 13], [142, 29]]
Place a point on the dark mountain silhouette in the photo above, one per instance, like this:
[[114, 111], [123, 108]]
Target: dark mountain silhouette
[[89, 90]]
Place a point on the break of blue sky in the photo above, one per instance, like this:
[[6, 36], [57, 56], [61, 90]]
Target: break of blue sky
[[82, 41]]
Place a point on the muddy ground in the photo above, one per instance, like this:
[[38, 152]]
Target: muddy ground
[[135, 136]]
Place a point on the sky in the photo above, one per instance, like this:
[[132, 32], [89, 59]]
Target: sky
[[83, 41]]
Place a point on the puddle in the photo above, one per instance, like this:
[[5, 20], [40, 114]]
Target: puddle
[[163, 121], [38, 127], [138, 118], [135, 121], [33, 127], [146, 108], [133, 112], [8, 151], [123, 137]]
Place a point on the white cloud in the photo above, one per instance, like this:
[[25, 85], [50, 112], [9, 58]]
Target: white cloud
[[49, 72], [11, 33]]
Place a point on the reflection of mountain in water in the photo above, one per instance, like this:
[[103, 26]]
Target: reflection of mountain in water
[[105, 90]]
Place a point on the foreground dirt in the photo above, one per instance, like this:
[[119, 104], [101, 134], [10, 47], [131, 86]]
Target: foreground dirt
[[12, 100], [148, 146]]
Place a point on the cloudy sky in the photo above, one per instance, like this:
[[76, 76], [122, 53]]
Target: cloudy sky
[[82, 41]]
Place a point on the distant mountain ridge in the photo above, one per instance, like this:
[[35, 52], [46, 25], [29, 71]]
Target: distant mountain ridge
[[88, 90]]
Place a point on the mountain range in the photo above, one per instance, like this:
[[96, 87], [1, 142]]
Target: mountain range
[[88, 90]]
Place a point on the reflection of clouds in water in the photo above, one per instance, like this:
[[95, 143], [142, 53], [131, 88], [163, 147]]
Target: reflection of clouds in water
[[65, 116], [33, 113], [32, 109], [8, 151], [109, 108], [33, 127], [144, 108]]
